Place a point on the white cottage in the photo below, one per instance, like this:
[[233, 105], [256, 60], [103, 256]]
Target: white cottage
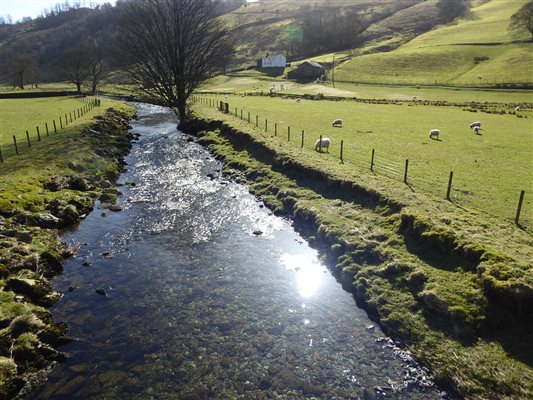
[[273, 61]]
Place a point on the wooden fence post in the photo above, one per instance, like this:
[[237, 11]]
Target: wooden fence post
[[303, 137], [1, 157], [46, 126], [276, 129], [38, 134], [60, 123], [342, 147], [227, 108], [235, 111], [449, 186], [78, 112], [256, 120], [55, 127], [28, 138], [16, 147], [66, 119], [372, 160], [248, 117], [288, 134], [405, 173], [241, 113], [519, 209]]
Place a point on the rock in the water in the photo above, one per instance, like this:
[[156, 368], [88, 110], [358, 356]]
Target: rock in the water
[[101, 292], [257, 233]]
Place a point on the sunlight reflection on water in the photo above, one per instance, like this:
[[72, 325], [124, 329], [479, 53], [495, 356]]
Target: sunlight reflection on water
[[309, 272]]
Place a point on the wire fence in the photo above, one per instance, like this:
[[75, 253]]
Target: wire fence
[[24, 141], [441, 183]]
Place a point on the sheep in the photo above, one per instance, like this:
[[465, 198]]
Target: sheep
[[322, 143], [434, 133], [476, 129], [337, 122], [477, 123], [517, 108]]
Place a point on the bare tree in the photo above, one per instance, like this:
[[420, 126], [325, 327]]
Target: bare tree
[[73, 66], [170, 47], [522, 20], [22, 68]]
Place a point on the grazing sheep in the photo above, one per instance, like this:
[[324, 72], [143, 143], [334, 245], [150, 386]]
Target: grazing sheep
[[477, 123], [322, 143], [517, 108], [434, 133], [297, 100], [337, 122], [476, 129]]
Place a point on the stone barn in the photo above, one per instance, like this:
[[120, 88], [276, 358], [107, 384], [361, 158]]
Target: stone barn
[[308, 71]]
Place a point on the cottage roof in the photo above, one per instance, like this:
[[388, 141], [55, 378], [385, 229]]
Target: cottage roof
[[315, 64]]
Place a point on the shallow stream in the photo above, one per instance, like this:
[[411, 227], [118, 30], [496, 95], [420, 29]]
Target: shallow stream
[[208, 295]]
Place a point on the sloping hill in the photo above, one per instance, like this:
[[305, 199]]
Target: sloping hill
[[477, 50]]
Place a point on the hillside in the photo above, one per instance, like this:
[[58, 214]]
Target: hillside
[[256, 28], [477, 50]]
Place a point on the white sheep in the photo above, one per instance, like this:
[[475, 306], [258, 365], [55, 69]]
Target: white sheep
[[322, 143], [476, 129], [434, 133], [517, 108], [477, 123], [337, 122]]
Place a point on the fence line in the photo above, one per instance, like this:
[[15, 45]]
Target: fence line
[[383, 166], [16, 146]]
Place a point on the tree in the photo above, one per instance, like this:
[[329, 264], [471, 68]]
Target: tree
[[73, 66], [452, 9], [170, 47], [522, 20], [22, 68]]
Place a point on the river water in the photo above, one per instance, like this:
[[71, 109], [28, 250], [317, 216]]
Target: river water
[[208, 295]]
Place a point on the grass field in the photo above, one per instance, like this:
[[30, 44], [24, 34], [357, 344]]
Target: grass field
[[446, 54], [489, 169], [19, 115], [255, 83]]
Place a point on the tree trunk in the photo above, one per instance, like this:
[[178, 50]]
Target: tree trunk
[[182, 109]]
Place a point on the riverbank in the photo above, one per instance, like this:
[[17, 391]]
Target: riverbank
[[459, 301], [45, 190]]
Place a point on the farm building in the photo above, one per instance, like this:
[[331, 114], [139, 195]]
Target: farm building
[[308, 70], [272, 61]]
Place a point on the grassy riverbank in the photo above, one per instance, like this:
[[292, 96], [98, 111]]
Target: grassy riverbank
[[46, 188], [454, 286]]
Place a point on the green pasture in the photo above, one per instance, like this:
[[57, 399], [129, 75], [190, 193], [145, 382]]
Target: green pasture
[[22, 176], [446, 54], [486, 23], [489, 169], [446, 64], [19, 115], [258, 82]]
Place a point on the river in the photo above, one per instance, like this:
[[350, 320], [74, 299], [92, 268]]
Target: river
[[203, 293]]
